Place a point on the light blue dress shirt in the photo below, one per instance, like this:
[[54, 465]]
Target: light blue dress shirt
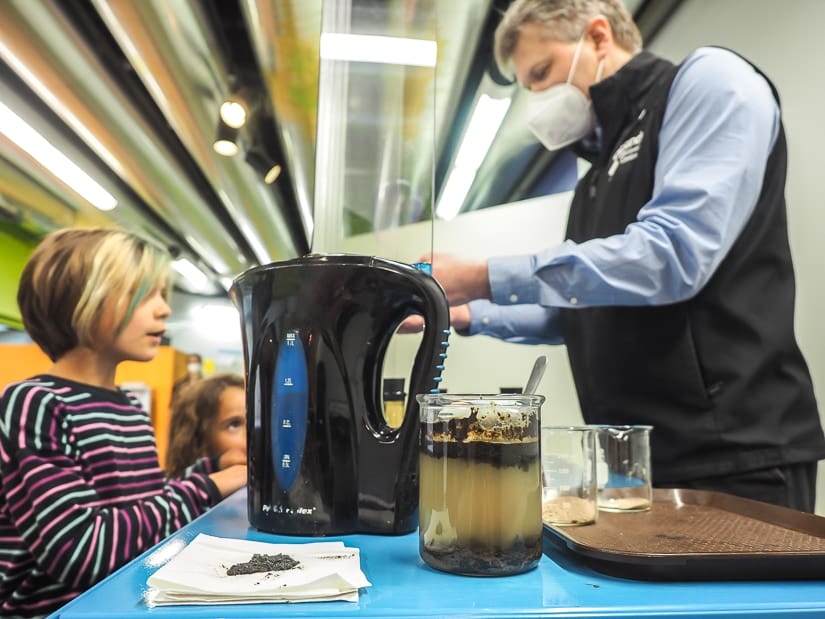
[[720, 124]]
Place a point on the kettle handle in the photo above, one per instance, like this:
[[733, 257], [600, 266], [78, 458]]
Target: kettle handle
[[432, 353], [424, 296]]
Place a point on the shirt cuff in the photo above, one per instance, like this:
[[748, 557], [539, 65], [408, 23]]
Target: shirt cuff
[[481, 315], [512, 280]]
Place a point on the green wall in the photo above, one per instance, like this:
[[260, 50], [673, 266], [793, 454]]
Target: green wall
[[15, 248]]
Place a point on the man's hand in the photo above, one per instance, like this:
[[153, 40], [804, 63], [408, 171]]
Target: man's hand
[[459, 320], [411, 324], [460, 317], [462, 280]]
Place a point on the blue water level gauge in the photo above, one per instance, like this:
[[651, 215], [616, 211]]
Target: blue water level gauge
[[289, 410]]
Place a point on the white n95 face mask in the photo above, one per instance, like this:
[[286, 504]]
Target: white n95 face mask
[[559, 116], [562, 114]]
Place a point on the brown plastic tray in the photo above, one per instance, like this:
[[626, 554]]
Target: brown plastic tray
[[697, 535]]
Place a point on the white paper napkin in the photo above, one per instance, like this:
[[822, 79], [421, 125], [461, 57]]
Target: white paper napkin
[[198, 574]]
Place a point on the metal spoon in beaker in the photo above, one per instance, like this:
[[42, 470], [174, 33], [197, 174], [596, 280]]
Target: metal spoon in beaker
[[536, 374]]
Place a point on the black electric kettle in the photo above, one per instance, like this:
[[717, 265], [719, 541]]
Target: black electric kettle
[[322, 458]]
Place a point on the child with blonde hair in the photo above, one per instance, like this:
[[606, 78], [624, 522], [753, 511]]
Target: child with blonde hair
[[81, 490]]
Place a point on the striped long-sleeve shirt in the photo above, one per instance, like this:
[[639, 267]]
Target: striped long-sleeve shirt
[[81, 491]]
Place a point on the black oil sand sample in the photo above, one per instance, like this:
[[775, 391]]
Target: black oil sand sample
[[263, 563]]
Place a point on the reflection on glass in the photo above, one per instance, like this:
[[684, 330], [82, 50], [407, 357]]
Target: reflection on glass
[[375, 148]]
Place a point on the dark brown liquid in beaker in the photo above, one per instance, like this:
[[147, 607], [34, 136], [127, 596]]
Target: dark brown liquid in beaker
[[480, 500]]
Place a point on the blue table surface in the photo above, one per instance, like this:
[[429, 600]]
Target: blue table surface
[[404, 586]]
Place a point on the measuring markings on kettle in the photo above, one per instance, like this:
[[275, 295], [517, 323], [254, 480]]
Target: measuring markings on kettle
[[289, 401]]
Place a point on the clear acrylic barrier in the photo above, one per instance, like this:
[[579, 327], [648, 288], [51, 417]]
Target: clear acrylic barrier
[[376, 118]]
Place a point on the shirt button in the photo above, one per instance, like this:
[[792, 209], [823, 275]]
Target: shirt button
[[573, 301], [485, 320], [513, 298]]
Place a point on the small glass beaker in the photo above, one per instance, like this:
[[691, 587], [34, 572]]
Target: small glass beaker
[[480, 483], [623, 468], [568, 475]]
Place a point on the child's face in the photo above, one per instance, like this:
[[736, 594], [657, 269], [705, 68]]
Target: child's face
[[141, 337], [229, 427]]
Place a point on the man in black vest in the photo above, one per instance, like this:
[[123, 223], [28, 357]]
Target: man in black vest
[[674, 290]]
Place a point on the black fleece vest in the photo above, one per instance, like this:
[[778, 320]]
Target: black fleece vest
[[719, 376]]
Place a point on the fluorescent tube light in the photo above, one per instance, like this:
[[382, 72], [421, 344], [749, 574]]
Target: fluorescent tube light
[[386, 50], [27, 138], [484, 124], [193, 274]]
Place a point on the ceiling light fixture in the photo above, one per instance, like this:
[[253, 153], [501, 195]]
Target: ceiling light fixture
[[55, 162], [385, 50], [487, 117], [237, 107], [226, 140], [272, 174], [264, 166]]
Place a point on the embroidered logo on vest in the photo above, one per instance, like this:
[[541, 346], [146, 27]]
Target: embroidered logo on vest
[[627, 151]]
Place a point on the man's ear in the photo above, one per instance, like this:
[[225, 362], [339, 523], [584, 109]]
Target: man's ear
[[598, 29]]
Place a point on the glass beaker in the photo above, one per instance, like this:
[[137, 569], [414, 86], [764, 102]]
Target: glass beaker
[[623, 468], [480, 483], [568, 475]]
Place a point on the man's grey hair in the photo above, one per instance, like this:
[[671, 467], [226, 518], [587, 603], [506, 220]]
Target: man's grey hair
[[564, 20]]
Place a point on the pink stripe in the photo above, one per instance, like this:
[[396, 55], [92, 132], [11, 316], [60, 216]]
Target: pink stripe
[[118, 428], [151, 488], [48, 386], [121, 474], [30, 394], [25, 413], [13, 478], [127, 468], [38, 465], [25, 498], [36, 504], [64, 549], [87, 404], [115, 503], [150, 507], [115, 532], [55, 524], [143, 449], [59, 598], [89, 553], [53, 488]]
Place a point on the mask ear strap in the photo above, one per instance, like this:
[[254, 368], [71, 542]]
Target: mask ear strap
[[575, 59]]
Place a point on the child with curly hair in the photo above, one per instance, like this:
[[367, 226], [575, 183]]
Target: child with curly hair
[[208, 419]]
